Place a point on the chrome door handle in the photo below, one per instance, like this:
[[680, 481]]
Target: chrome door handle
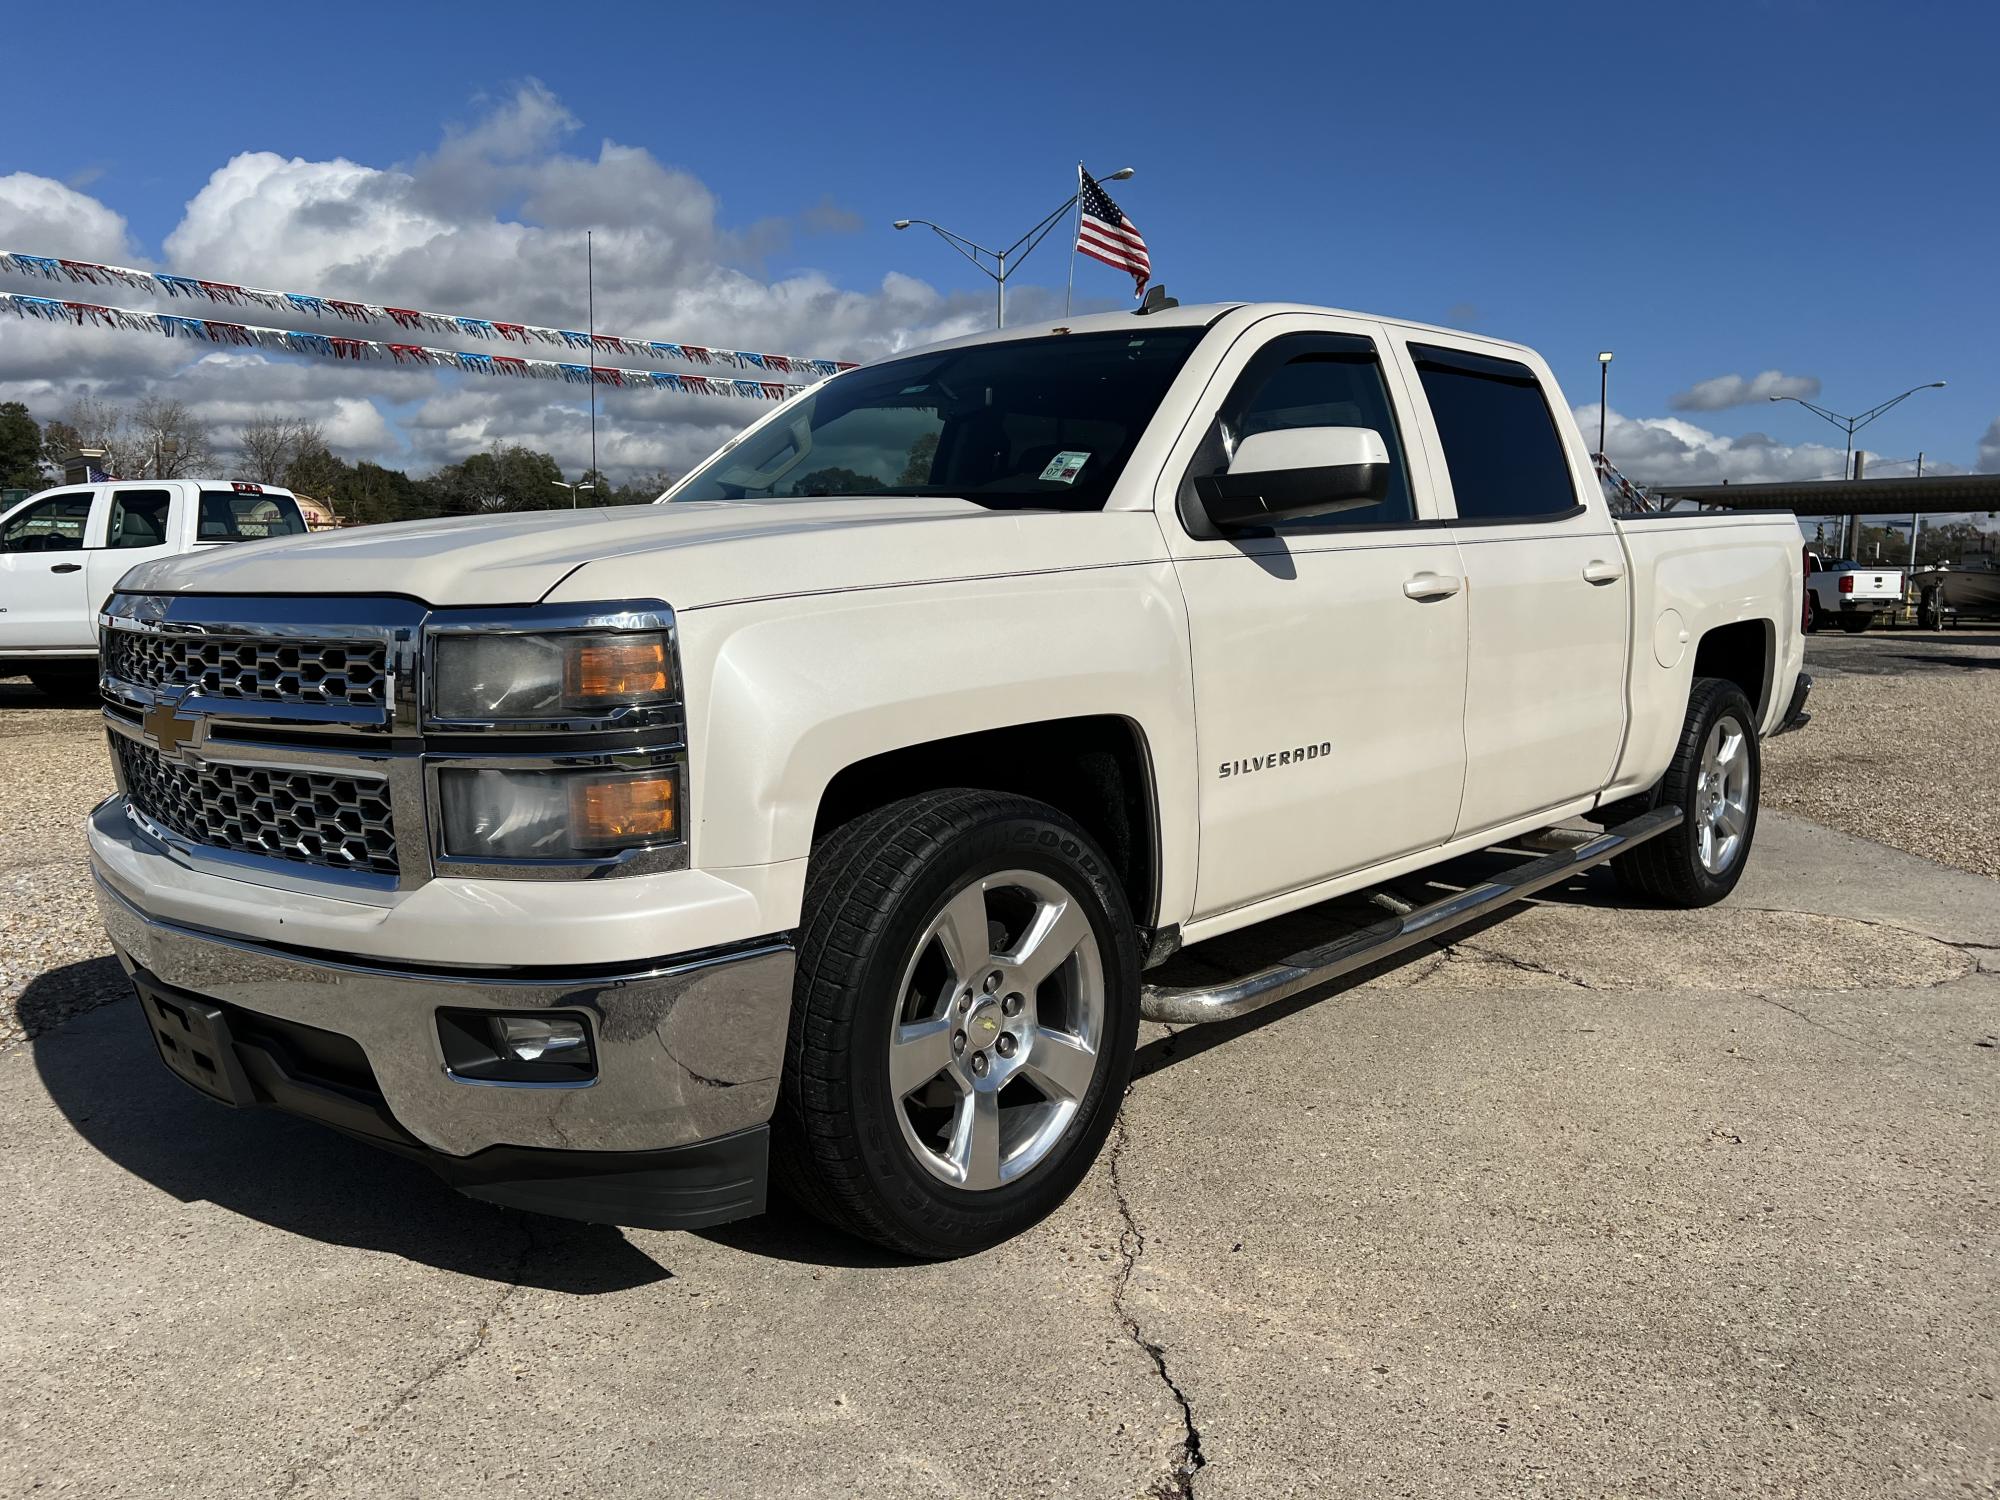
[[1431, 586], [67, 568], [1597, 570]]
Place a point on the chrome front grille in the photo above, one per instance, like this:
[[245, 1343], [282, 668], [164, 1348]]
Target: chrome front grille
[[334, 821], [262, 669]]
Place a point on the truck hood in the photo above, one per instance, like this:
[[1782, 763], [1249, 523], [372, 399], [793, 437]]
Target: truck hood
[[687, 553]]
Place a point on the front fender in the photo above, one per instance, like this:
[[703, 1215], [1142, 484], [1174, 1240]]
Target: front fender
[[783, 694]]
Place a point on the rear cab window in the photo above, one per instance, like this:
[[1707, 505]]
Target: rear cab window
[[1501, 445], [246, 514]]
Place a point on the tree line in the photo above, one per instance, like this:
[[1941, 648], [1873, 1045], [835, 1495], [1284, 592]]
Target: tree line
[[161, 438]]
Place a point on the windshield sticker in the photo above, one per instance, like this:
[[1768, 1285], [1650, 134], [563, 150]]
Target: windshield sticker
[[1064, 467]]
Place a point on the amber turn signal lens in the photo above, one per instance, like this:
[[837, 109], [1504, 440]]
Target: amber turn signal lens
[[614, 669], [617, 812]]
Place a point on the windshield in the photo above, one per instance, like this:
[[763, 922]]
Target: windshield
[[230, 516], [1043, 424]]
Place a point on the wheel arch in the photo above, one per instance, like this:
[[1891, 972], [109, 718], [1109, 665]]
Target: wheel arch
[[1743, 652], [1096, 768]]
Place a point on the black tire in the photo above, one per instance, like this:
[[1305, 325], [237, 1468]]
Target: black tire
[[1669, 870], [1854, 624], [1930, 610], [872, 892], [67, 682], [1812, 613]]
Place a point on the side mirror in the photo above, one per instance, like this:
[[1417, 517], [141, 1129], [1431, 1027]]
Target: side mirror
[[1297, 472]]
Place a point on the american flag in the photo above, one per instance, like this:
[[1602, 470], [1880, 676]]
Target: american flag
[[1105, 234]]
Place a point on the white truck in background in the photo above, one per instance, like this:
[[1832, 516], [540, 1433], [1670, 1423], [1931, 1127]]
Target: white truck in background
[[822, 822], [1849, 594], [63, 550]]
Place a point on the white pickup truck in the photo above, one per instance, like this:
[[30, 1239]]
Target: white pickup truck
[[1850, 594], [823, 821], [62, 551]]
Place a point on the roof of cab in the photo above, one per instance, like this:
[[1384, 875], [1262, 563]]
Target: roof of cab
[[1200, 314]]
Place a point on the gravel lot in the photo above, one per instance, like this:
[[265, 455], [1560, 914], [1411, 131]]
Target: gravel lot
[[54, 768], [1904, 746]]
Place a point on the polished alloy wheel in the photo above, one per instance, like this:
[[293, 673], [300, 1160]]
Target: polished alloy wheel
[[995, 1038], [1722, 796]]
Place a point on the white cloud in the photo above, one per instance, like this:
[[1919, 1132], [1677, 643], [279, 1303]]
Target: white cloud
[[491, 223], [1725, 391], [1989, 449], [38, 211]]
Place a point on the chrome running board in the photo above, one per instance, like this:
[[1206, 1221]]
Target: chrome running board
[[1188, 1006]]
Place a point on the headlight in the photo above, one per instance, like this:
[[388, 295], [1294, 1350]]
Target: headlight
[[503, 678], [551, 814]]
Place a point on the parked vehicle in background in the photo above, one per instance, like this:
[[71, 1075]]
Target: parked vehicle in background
[[820, 822], [1849, 594], [63, 550], [1968, 589]]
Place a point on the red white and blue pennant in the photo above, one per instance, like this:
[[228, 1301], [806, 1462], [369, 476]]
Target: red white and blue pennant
[[229, 293], [332, 346]]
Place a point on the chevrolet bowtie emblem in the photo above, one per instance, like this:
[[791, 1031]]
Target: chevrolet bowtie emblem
[[166, 728]]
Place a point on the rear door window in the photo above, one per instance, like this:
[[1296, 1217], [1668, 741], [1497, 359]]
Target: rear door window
[[138, 518], [247, 516], [1500, 440]]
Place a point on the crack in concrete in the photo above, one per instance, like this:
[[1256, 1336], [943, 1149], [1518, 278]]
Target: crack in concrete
[[1525, 965], [1178, 1484], [326, 1463], [1964, 946]]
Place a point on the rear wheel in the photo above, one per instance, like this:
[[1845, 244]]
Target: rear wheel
[[1854, 624], [1812, 614], [1715, 779], [1930, 610], [963, 1022]]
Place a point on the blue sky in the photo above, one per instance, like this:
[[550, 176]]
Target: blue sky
[[1707, 189]]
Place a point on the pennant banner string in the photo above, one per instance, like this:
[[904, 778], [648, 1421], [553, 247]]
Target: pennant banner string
[[333, 346], [196, 289]]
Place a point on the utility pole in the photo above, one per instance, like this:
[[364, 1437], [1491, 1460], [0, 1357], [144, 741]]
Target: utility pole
[[1916, 519]]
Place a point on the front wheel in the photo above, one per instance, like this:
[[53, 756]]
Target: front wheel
[[963, 1022], [1930, 610], [1715, 778]]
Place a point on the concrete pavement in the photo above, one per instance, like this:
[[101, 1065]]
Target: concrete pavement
[[1598, 1201]]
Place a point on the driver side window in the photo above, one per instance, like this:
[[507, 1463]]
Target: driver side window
[[52, 525], [1311, 380]]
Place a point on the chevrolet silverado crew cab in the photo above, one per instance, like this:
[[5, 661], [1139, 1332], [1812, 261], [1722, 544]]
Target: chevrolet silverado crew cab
[[822, 821], [62, 550]]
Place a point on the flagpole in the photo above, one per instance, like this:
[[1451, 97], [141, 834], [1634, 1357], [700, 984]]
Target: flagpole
[[1073, 239]]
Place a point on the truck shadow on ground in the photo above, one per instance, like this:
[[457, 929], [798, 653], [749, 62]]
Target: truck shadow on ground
[[101, 1071]]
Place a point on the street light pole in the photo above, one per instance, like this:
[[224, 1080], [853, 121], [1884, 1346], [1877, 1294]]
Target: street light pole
[[573, 488], [1017, 252], [1852, 425]]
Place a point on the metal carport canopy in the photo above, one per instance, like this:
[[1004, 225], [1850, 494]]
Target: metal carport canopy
[[1941, 494]]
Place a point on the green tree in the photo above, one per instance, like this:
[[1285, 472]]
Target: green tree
[[20, 448]]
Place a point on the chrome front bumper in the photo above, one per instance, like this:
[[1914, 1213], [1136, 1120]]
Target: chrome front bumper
[[688, 1049]]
